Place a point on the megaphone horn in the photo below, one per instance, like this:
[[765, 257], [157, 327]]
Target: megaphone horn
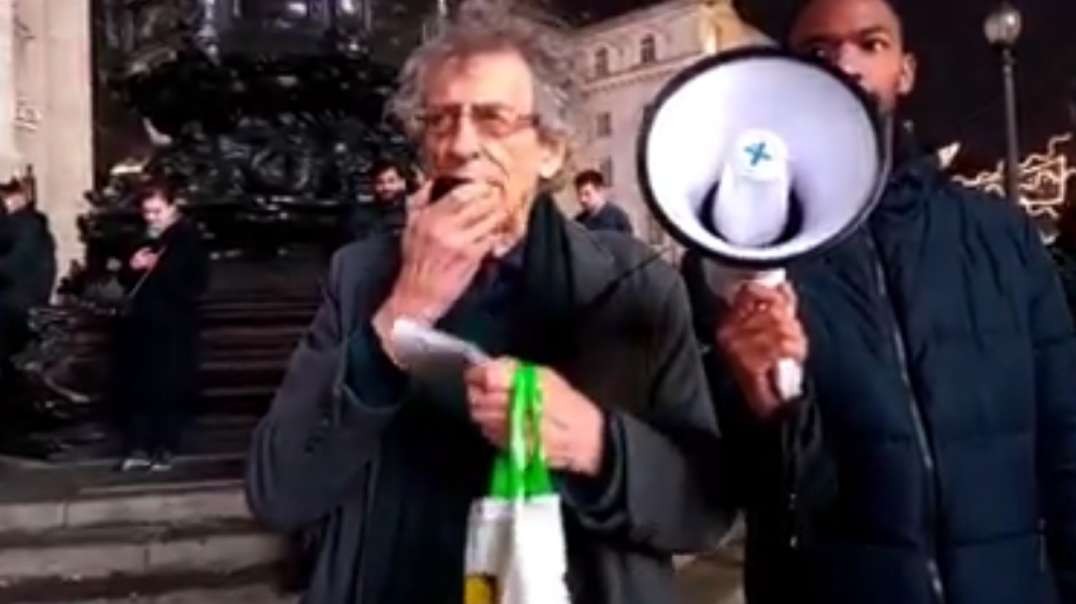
[[755, 158]]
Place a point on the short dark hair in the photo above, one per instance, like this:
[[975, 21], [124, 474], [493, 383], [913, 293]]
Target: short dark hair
[[589, 177], [155, 187], [12, 187], [385, 164], [776, 18]]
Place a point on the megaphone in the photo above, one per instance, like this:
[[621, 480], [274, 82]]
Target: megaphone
[[755, 158]]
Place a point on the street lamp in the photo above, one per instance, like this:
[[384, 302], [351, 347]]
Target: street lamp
[[436, 22], [1002, 28]]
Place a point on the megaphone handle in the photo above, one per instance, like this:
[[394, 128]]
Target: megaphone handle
[[788, 379], [726, 281]]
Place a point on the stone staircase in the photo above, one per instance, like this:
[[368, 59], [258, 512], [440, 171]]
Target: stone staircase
[[208, 437], [82, 533], [246, 344]]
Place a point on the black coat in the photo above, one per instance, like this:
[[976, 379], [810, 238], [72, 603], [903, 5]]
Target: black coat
[[935, 457], [158, 336], [27, 260], [366, 219], [324, 456], [608, 218], [27, 272]]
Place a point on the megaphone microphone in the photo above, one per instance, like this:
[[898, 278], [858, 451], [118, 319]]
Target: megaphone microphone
[[756, 158], [752, 204], [752, 207]]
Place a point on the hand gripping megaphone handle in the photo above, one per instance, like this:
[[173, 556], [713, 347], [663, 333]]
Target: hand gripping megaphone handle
[[788, 379], [726, 282]]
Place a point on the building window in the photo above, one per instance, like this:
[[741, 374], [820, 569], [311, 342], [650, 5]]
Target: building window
[[601, 62], [604, 125], [648, 49], [606, 168]]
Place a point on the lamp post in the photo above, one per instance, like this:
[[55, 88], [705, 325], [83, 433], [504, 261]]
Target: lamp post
[[435, 23], [1002, 28]]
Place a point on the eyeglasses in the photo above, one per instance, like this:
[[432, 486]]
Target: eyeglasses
[[490, 120]]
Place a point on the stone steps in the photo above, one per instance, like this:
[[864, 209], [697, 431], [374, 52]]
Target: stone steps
[[246, 342], [253, 594], [122, 505], [84, 533], [253, 586], [102, 552], [209, 436]]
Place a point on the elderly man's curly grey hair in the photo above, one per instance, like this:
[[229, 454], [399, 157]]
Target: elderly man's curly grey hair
[[491, 25]]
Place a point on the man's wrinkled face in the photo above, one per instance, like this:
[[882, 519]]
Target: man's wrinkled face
[[862, 38], [158, 214], [480, 125], [591, 196], [389, 185]]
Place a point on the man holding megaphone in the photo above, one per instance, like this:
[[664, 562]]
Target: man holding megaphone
[[931, 455]]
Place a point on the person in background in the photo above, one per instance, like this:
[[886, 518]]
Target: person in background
[[156, 369], [386, 464], [599, 213], [388, 210], [27, 270], [932, 458]]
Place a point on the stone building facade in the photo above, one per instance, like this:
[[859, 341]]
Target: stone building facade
[[626, 60]]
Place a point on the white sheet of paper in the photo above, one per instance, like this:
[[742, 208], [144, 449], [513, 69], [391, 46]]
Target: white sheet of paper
[[425, 350]]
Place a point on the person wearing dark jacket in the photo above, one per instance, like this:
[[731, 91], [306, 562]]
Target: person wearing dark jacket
[[27, 269], [387, 213], [1064, 252], [933, 457], [598, 213], [385, 464], [157, 340]]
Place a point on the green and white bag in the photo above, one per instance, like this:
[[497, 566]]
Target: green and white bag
[[515, 539]]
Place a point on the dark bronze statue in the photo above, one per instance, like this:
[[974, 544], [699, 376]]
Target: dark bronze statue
[[267, 115]]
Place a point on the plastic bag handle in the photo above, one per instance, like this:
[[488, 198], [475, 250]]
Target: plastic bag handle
[[521, 472]]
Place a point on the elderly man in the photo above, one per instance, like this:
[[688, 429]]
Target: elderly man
[[386, 464]]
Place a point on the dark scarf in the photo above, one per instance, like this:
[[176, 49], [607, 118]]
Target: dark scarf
[[548, 289], [522, 305]]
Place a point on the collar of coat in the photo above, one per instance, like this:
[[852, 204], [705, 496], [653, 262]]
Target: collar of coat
[[914, 174], [589, 254]]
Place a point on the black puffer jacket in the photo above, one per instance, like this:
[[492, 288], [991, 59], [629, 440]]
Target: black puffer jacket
[[27, 273], [935, 457], [1064, 252]]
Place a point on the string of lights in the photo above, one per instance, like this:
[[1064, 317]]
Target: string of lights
[[1044, 179]]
